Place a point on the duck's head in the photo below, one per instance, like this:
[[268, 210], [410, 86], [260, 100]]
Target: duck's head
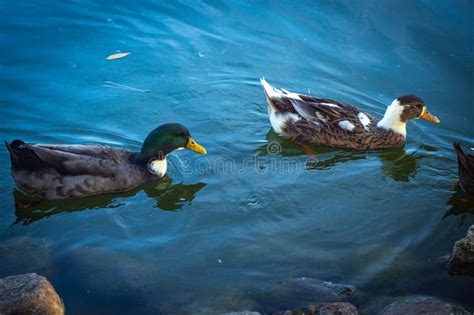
[[167, 138], [402, 110]]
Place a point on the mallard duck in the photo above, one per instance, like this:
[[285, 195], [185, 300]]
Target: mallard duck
[[73, 171], [312, 120], [465, 168]]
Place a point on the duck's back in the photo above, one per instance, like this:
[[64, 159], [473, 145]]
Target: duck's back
[[73, 171]]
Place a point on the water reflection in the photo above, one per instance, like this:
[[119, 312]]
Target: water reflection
[[396, 162], [168, 197], [462, 204]]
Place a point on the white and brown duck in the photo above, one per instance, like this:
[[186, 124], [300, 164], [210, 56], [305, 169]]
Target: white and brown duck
[[312, 120]]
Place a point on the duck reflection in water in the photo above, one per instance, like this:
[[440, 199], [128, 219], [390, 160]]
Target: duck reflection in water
[[462, 204], [396, 163], [168, 197]]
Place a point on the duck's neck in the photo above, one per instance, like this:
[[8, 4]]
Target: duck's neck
[[391, 120], [155, 166], [158, 167]]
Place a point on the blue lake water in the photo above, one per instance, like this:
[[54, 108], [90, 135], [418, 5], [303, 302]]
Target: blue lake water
[[221, 229]]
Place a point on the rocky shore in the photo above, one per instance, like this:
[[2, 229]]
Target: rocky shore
[[337, 298], [33, 294], [461, 261], [407, 305], [29, 294]]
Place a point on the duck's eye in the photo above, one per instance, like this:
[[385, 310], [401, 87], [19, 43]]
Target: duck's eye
[[414, 106]]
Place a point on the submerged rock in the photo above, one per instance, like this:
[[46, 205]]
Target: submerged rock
[[423, 305], [35, 254], [462, 258], [243, 313], [338, 308], [29, 294], [313, 288], [290, 293]]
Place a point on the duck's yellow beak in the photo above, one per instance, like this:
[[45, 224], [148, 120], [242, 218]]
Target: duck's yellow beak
[[427, 116], [196, 147]]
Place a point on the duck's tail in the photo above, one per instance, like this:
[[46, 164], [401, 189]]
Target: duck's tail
[[457, 148], [466, 168], [270, 92], [460, 155]]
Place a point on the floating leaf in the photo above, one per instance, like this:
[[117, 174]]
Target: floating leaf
[[118, 56]]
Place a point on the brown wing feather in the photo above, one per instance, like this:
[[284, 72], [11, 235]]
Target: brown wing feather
[[328, 112], [72, 171], [92, 161], [320, 125], [95, 150], [305, 131]]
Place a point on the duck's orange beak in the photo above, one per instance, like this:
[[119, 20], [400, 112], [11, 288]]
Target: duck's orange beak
[[196, 147], [427, 116]]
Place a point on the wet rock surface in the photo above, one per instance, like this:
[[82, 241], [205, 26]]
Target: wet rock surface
[[324, 290], [306, 290], [293, 293], [461, 261], [423, 305], [338, 308], [243, 313], [29, 294]]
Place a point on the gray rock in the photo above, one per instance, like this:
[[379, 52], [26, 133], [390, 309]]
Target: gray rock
[[423, 305], [29, 294], [338, 308], [462, 258]]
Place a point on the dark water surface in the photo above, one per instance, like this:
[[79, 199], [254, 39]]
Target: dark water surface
[[220, 228]]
